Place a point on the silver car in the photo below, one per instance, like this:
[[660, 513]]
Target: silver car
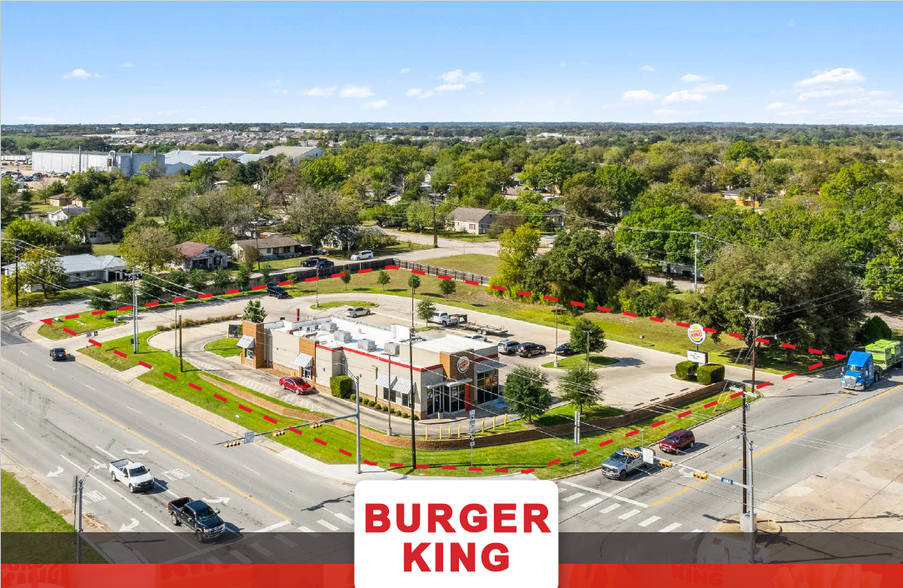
[[357, 311]]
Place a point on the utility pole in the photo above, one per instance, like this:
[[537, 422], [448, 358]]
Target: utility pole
[[695, 258], [435, 229], [755, 334], [357, 401], [411, 367], [391, 392], [16, 249], [134, 278], [752, 508], [181, 366], [78, 487], [555, 310]]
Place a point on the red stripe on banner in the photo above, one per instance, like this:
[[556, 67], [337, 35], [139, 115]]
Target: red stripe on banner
[[443, 277], [70, 331], [762, 385], [710, 404], [396, 465], [683, 414], [553, 462], [195, 386], [633, 314], [204, 295], [144, 364], [93, 342], [581, 452], [788, 345], [501, 470], [422, 466], [259, 287], [418, 272], [815, 366], [123, 308], [580, 304], [656, 319], [815, 351], [632, 433], [97, 312], [220, 398], [658, 424], [169, 375], [524, 293], [735, 335], [369, 463], [603, 308], [313, 279], [475, 469], [391, 267], [530, 471], [71, 316], [365, 271], [786, 376], [47, 321], [269, 419], [687, 325], [294, 430], [447, 467], [320, 441], [604, 443], [151, 304], [499, 288], [761, 340], [346, 453], [244, 408], [233, 291], [471, 282], [180, 299], [709, 330], [119, 353], [550, 298], [286, 283], [736, 394]]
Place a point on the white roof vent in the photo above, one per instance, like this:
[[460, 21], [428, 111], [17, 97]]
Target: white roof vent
[[366, 345], [343, 336]]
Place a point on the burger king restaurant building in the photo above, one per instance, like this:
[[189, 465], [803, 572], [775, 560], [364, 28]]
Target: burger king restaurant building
[[451, 373]]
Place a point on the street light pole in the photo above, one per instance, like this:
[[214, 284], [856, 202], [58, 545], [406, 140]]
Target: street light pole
[[555, 310], [755, 334], [357, 401], [134, 277], [181, 365], [391, 392], [16, 249]]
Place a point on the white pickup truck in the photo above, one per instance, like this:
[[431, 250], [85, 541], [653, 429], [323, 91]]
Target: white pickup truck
[[444, 319], [135, 475]]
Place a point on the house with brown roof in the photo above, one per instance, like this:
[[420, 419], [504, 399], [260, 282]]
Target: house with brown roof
[[200, 255], [270, 247]]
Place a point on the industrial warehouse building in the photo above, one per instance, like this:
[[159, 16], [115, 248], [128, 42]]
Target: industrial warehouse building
[[58, 162], [451, 373]]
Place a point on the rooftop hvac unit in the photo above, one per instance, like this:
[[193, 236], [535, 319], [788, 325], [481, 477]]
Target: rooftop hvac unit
[[366, 345], [333, 327], [391, 348], [343, 336]]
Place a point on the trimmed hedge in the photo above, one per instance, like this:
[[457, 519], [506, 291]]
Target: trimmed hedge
[[710, 373], [341, 386], [685, 370]]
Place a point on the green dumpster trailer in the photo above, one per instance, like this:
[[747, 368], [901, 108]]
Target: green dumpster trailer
[[887, 354]]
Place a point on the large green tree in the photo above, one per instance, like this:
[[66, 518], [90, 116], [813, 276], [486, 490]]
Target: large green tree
[[579, 387], [527, 392], [149, 248]]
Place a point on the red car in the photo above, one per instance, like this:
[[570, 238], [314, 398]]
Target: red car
[[297, 385], [677, 441]]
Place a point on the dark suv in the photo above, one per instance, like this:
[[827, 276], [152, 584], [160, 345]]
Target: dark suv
[[310, 262], [278, 292], [530, 349], [59, 354], [678, 441], [325, 263], [564, 349], [508, 347]]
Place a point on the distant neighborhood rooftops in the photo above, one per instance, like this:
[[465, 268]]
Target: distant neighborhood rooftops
[[296, 153], [190, 249], [192, 158], [83, 263], [472, 215], [271, 241], [71, 211]]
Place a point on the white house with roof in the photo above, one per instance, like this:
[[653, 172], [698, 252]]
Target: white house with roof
[[295, 153], [475, 221], [80, 270], [199, 255]]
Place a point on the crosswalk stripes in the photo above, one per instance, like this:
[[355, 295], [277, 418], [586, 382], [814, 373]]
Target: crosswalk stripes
[[327, 525], [649, 521], [591, 503], [574, 496], [285, 541], [261, 549], [610, 508], [560, 489], [629, 514], [239, 556], [343, 518], [308, 530], [669, 528], [690, 535]]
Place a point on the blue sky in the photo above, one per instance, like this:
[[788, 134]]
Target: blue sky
[[85, 62]]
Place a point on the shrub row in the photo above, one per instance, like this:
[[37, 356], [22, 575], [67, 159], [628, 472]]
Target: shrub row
[[709, 373], [189, 322]]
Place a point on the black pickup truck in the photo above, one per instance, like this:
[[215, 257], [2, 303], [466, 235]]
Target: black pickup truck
[[197, 516]]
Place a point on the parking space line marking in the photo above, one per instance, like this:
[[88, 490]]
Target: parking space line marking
[[607, 494], [328, 525], [278, 525], [18, 425], [629, 514], [574, 496], [669, 528], [240, 556], [610, 508], [262, 550], [591, 503], [285, 541], [648, 521]]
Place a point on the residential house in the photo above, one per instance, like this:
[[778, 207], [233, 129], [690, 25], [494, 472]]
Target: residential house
[[295, 153], [200, 255], [64, 215], [554, 217], [270, 247], [59, 200], [345, 237], [475, 221], [742, 197], [80, 269]]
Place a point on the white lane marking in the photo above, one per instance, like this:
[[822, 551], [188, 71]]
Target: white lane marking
[[51, 367], [669, 528], [328, 525], [239, 556], [648, 521], [607, 494], [18, 425], [308, 530], [344, 518], [213, 560], [628, 514], [278, 525], [165, 489], [591, 503], [574, 496], [250, 470], [102, 450], [690, 535], [262, 550], [132, 409], [187, 437], [285, 541], [560, 489], [610, 508], [23, 353], [90, 388]]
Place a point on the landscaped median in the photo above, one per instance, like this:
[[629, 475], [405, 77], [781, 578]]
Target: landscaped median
[[546, 456]]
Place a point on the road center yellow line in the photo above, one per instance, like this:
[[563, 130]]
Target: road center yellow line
[[155, 444]]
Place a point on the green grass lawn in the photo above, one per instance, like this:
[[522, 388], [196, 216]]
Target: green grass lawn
[[24, 513], [533, 454], [467, 237], [31, 299], [595, 360], [225, 347], [105, 249], [476, 263], [565, 414], [351, 303]]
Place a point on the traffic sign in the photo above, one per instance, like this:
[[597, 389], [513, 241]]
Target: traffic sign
[[249, 437]]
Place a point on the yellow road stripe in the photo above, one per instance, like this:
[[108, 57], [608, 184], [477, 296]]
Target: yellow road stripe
[[156, 445], [792, 435]]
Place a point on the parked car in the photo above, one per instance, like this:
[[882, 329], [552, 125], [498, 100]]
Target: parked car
[[324, 264], [361, 255], [296, 385], [508, 347], [530, 349], [320, 251], [278, 292], [620, 465], [134, 475], [197, 516], [564, 349], [677, 441], [59, 354], [357, 311], [477, 337], [444, 319], [310, 262]]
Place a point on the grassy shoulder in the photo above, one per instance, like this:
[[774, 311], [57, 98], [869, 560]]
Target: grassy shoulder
[[351, 303], [476, 263], [595, 360], [24, 513], [324, 443], [225, 347]]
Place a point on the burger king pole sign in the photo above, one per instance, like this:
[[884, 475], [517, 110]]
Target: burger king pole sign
[[696, 334]]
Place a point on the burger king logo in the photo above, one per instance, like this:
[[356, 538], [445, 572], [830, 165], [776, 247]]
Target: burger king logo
[[463, 364]]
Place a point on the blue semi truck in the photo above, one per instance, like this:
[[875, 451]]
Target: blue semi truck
[[864, 368]]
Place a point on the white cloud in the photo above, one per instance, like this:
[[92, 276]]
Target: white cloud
[[80, 74], [36, 119], [776, 106], [639, 96], [648, 68], [376, 104], [414, 92], [450, 87], [834, 92], [663, 111], [840, 75], [405, 70], [784, 109], [352, 91], [683, 96], [429, 93], [128, 64], [324, 91], [707, 88], [457, 76], [693, 78]]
